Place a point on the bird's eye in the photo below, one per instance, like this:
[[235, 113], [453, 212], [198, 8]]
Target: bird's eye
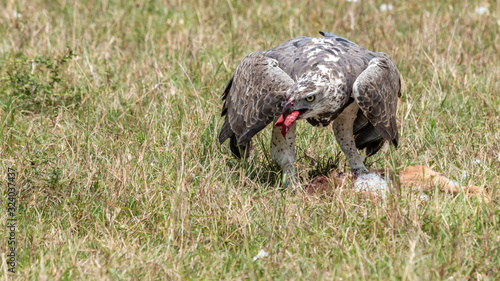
[[310, 98]]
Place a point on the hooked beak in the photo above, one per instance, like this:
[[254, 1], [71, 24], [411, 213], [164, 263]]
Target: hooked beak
[[287, 109]]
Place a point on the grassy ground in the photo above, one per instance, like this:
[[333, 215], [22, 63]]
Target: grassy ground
[[120, 176]]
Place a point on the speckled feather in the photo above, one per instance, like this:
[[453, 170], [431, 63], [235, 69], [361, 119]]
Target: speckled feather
[[254, 97], [263, 80]]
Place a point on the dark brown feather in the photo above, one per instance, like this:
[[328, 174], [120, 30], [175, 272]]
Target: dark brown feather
[[253, 98], [376, 91], [254, 95]]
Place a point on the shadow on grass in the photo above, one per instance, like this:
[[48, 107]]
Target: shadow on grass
[[260, 168]]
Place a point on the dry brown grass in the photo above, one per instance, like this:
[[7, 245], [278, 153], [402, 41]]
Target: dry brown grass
[[125, 179]]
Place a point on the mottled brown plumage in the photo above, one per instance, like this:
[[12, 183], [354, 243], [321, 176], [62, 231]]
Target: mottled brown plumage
[[320, 77], [253, 98]]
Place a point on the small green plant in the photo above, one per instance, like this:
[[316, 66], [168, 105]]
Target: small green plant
[[38, 84], [323, 166]]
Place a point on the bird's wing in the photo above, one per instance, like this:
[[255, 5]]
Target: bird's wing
[[376, 90], [254, 97]]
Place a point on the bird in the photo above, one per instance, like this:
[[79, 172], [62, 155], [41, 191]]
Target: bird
[[323, 80]]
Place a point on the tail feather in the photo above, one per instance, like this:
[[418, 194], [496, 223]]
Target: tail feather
[[366, 136], [369, 139], [239, 151], [374, 147], [225, 132], [233, 145]]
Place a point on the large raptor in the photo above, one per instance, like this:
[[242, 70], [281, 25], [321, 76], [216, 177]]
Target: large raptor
[[323, 80]]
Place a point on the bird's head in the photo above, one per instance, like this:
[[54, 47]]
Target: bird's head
[[313, 95], [310, 95]]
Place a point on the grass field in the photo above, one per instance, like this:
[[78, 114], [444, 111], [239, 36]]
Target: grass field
[[109, 113]]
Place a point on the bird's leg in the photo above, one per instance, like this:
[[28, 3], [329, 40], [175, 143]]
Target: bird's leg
[[283, 152], [343, 129]]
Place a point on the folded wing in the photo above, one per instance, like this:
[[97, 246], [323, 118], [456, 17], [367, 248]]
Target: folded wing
[[376, 90], [253, 98]]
